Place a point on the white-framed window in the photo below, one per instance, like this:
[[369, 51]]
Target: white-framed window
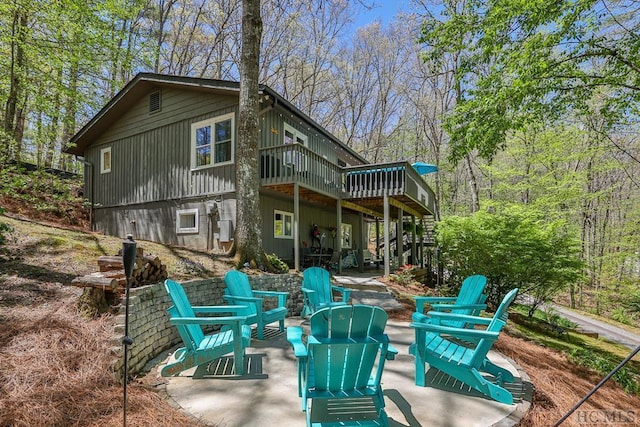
[[187, 221], [347, 236], [105, 160], [282, 225], [212, 142], [295, 158]]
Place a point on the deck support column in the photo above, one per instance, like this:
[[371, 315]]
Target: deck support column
[[414, 252], [363, 243], [296, 226], [387, 240], [339, 234], [400, 238]]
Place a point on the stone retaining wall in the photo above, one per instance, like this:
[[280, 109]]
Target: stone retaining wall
[[149, 326]]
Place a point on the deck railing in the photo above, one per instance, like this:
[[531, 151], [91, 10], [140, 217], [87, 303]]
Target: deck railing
[[392, 179], [286, 164]]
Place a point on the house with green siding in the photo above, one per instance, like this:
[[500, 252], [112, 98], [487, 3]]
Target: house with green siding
[[160, 164]]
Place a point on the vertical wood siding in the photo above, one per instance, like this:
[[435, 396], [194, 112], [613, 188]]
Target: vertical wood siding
[[151, 153]]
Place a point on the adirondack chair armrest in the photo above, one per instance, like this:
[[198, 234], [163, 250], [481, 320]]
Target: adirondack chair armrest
[[282, 296], [210, 309], [421, 301], [392, 352], [463, 333], [437, 317], [447, 307], [346, 292], [225, 320], [294, 336], [253, 300]]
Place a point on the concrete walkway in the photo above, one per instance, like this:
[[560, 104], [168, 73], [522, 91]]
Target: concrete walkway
[[268, 393]]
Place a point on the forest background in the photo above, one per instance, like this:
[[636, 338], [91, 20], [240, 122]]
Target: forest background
[[532, 104]]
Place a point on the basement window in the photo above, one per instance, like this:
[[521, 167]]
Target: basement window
[[187, 221], [282, 225], [155, 102]]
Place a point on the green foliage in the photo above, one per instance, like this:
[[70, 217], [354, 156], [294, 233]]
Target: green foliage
[[45, 193], [280, 266], [4, 228], [517, 63], [404, 275], [513, 247], [603, 365]]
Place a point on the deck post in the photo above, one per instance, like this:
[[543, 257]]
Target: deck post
[[339, 235], [296, 226], [414, 252], [387, 251], [363, 243]]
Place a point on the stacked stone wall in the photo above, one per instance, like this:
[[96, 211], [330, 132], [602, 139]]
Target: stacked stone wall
[[149, 326]]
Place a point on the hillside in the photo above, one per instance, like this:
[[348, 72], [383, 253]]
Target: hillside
[[68, 362]]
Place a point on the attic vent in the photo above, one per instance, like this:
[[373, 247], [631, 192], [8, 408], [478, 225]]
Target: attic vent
[[154, 102]]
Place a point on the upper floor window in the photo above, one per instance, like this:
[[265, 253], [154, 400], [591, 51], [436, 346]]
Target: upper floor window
[[105, 160], [212, 142], [294, 157]]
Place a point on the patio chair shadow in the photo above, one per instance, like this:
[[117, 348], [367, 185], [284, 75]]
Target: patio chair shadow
[[441, 381], [224, 369], [270, 333], [405, 407]]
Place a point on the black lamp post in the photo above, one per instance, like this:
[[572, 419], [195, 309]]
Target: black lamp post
[[128, 260]]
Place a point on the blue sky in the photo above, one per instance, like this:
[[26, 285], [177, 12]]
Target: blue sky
[[383, 10]]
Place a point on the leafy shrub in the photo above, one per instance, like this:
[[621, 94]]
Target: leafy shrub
[[280, 266], [404, 275], [515, 246]]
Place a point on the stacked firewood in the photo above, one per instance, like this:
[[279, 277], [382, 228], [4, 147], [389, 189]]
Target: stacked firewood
[[111, 277]]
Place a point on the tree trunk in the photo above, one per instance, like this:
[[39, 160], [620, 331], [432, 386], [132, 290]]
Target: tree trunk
[[473, 184], [248, 236]]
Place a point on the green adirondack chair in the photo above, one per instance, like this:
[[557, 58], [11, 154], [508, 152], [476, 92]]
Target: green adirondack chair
[[234, 335], [340, 365], [239, 292], [317, 291], [470, 301], [466, 363]]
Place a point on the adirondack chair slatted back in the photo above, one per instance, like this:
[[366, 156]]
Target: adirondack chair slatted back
[[471, 292], [346, 342], [469, 301], [318, 279], [238, 285], [191, 335], [496, 325]]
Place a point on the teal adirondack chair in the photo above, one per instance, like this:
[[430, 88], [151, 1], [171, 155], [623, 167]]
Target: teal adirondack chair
[[466, 363], [234, 336], [340, 365], [470, 301], [239, 292], [317, 291]]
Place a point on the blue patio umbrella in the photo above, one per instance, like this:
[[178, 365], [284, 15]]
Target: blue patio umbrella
[[424, 168]]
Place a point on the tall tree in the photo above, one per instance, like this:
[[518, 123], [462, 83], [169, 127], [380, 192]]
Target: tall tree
[[248, 236], [540, 62]]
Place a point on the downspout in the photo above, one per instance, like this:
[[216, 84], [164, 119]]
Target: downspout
[[89, 183]]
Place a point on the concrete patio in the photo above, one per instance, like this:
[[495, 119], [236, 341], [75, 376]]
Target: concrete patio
[[268, 393]]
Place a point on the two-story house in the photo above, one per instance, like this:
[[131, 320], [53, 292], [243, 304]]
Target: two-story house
[[159, 163]]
